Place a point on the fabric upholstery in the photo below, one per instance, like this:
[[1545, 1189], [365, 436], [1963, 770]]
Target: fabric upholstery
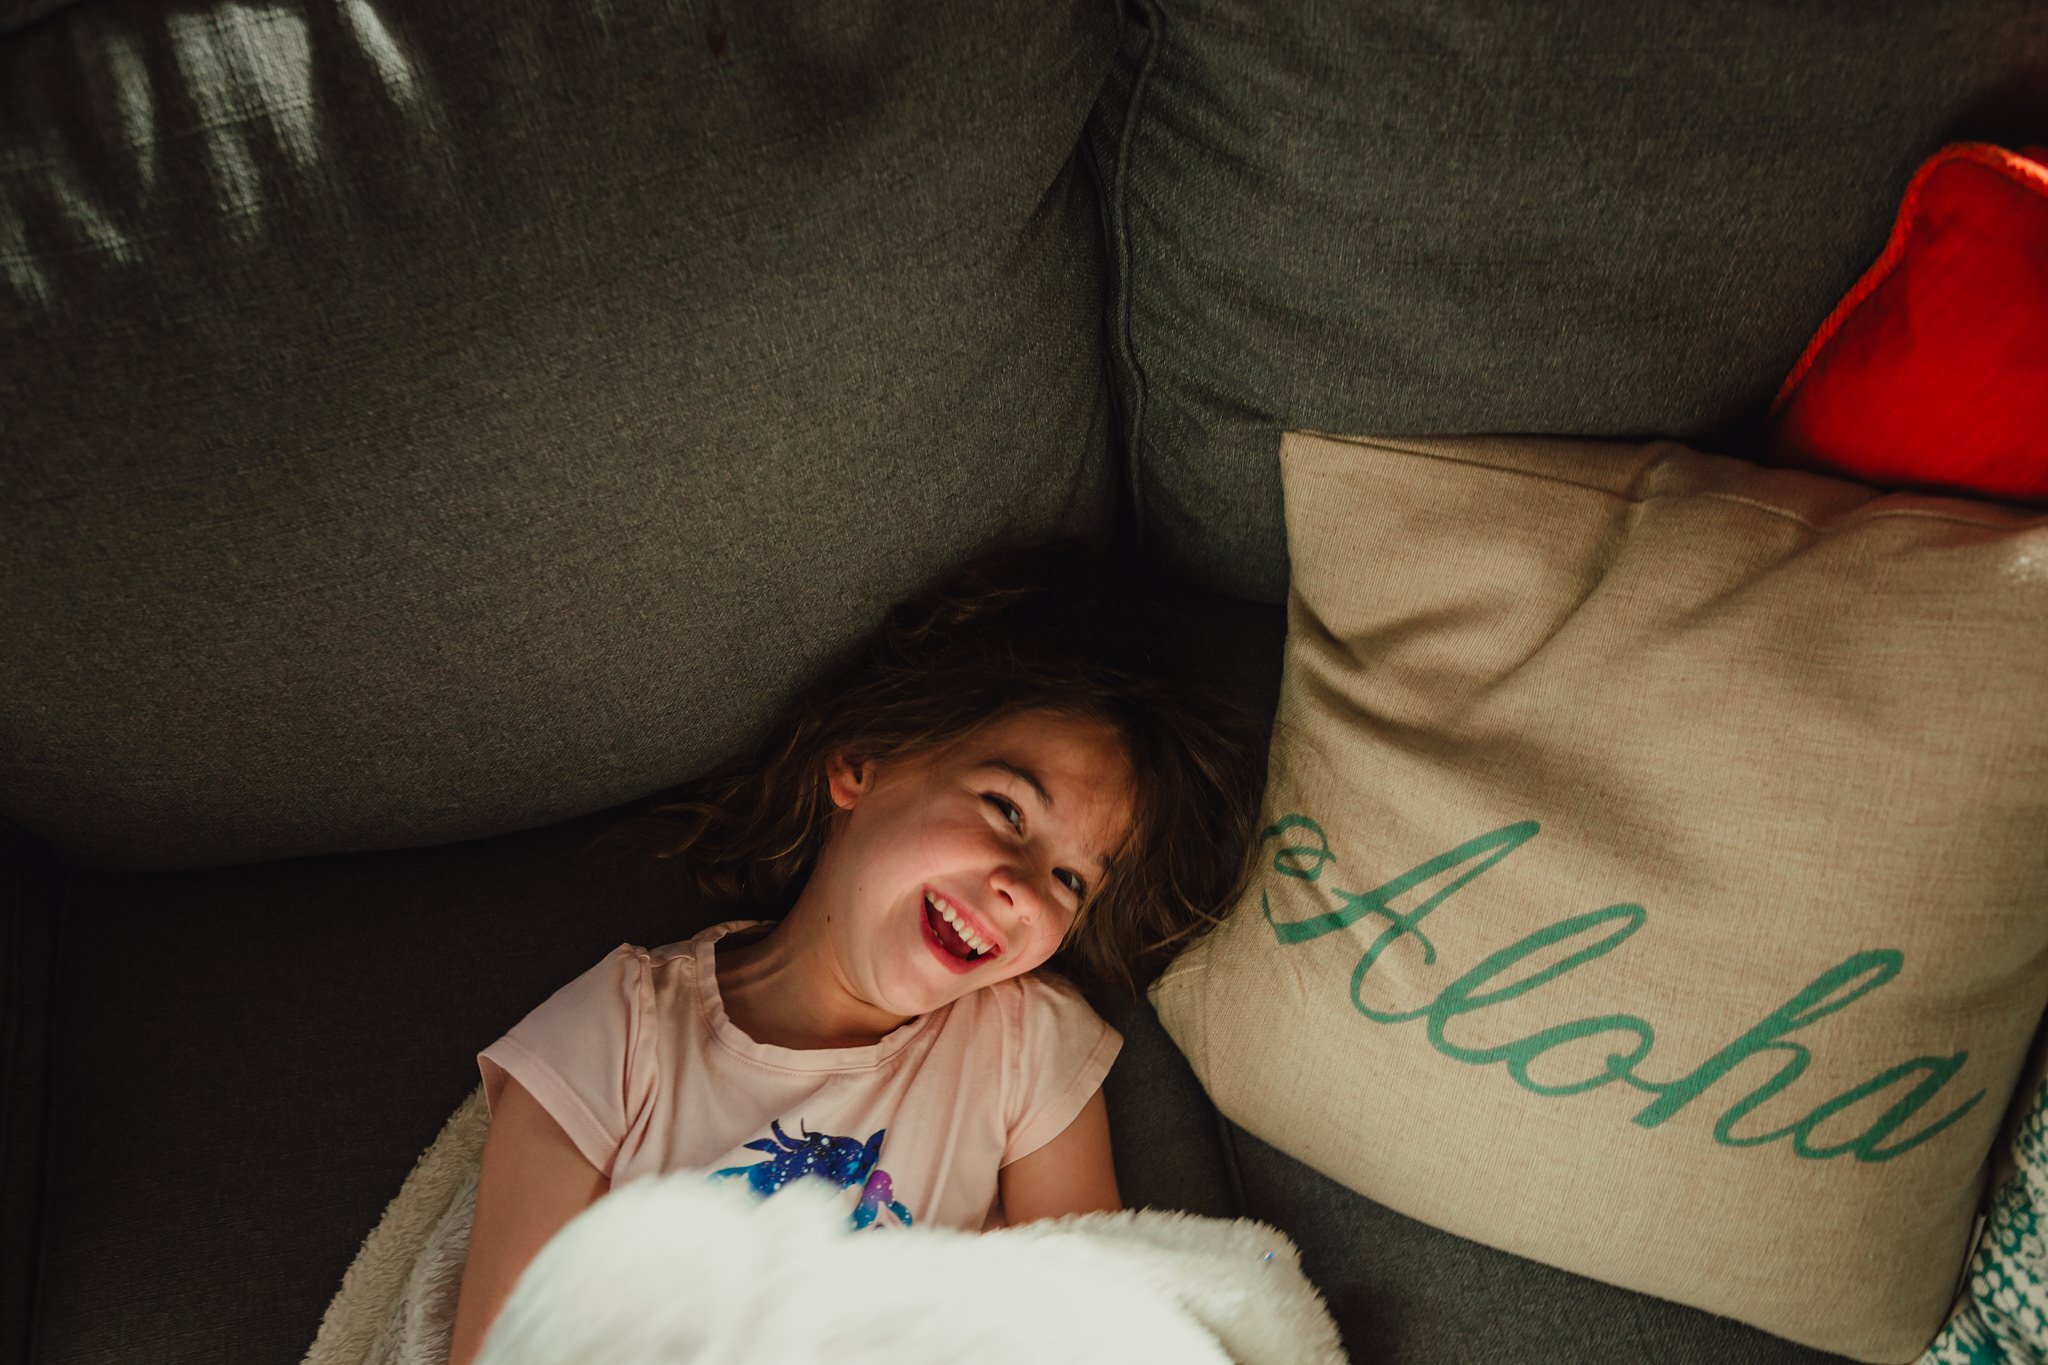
[[1166, 1136], [424, 422], [1405, 1293], [246, 1062], [251, 1059], [31, 892], [1588, 218]]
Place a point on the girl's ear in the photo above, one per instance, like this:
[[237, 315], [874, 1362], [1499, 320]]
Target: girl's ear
[[848, 779]]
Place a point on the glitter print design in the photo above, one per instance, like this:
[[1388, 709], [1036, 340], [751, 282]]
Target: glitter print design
[[844, 1161]]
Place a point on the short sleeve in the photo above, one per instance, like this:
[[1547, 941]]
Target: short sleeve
[[1065, 1049], [577, 1053]]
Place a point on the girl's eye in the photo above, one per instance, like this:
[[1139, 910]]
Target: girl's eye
[[1068, 878], [1010, 811]]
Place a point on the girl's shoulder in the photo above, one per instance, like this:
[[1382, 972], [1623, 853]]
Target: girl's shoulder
[[664, 975], [1047, 989], [1035, 1005], [697, 944], [1054, 1050]]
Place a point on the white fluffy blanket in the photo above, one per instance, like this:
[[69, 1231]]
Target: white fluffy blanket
[[674, 1269]]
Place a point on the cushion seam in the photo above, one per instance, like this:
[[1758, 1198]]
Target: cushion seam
[[1832, 528], [1120, 244]]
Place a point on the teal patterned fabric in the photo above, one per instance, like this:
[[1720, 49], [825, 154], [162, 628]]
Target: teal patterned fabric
[[2004, 1312]]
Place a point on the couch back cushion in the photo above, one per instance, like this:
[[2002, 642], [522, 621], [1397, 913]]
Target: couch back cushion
[[1653, 881], [1584, 218], [424, 422]]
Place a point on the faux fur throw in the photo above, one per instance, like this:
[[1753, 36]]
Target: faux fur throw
[[676, 1269]]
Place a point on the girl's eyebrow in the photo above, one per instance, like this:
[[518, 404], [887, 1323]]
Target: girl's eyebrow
[[1023, 774]]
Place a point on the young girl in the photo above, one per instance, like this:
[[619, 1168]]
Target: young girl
[[1012, 774]]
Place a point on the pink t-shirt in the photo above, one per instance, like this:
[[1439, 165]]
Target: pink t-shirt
[[637, 1062]]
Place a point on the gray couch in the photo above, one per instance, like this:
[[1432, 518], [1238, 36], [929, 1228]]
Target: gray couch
[[427, 431]]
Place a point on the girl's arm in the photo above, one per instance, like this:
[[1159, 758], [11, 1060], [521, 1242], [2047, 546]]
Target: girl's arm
[[1070, 1174], [533, 1181]]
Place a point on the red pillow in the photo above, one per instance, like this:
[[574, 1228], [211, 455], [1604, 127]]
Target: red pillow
[[1933, 372]]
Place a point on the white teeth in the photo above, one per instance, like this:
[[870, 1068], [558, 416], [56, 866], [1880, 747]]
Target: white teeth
[[967, 935]]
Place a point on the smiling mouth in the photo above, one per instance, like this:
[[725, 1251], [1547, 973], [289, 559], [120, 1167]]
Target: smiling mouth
[[953, 933]]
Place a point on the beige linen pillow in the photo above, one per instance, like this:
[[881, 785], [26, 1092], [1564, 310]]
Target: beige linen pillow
[[1655, 879]]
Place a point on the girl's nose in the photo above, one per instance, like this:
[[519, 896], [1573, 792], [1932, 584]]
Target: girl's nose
[[1013, 885]]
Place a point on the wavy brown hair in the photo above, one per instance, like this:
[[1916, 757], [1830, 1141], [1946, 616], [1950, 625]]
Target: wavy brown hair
[[1049, 628]]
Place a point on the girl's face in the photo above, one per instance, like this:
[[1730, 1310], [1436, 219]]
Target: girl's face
[[947, 872]]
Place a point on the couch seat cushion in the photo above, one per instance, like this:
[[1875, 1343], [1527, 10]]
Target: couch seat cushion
[[247, 1062], [1406, 1293]]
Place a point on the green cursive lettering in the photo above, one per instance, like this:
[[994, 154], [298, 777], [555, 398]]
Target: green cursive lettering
[[1463, 997], [1478, 989]]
